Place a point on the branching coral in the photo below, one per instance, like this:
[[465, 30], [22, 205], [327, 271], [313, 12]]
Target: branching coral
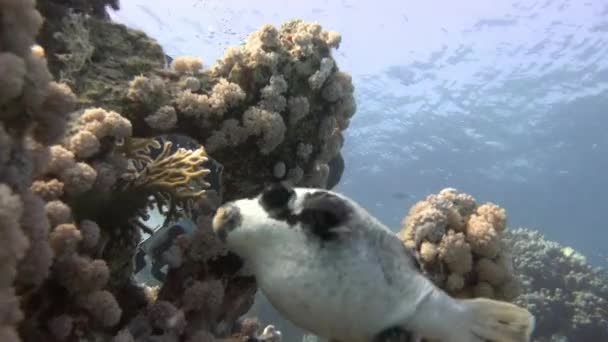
[[459, 245], [568, 296], [174, 179]]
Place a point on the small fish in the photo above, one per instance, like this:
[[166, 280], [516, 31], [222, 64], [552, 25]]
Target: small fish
[[399, 195]]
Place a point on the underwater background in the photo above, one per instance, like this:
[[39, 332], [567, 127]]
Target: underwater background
[[505, 100], [475, 130]]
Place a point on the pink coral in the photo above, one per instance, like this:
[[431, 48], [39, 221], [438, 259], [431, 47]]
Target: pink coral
[[78, 178], [58, 212], [13, 70], [90, 233], [61, 159], [64, 239], [49, 190], [102, 306], [84, 144], [14, 241], [80, 274]]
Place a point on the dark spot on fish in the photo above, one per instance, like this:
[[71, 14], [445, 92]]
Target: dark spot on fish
[[481, 337], [276, 197], [321, 212], [394, 334]]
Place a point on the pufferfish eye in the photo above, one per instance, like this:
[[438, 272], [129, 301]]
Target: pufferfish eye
[[276, 196]]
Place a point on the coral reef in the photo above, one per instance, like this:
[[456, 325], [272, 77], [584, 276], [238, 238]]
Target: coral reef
[[97, 57], [276, 105], [568, 296], [459, 245], [466, 250], [80, 172], [32, 116]]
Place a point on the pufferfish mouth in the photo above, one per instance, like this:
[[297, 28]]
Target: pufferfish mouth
[[226, 219]]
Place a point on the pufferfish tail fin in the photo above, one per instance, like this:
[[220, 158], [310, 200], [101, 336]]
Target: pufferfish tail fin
[[496, 321]]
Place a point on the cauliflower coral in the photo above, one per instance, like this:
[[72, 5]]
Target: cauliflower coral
[[276, 105], [459, 245]]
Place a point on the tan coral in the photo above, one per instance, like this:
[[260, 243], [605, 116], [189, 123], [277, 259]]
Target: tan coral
[[49, 190], [456, 252], [482, 236], [164, 119], [490, 271], [269, 125], [78, 178], [84, 144], [494, 214], [428, 252], [187, 64], [472, 259], [455, 282]]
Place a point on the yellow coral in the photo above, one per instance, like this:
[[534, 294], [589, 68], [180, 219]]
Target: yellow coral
[[174, 179]]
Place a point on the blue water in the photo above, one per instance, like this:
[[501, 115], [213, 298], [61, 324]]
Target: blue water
[[505, 100]]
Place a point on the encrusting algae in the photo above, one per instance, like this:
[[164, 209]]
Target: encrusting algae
[[85, 158]]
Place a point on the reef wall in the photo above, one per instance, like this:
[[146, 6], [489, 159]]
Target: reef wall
[[89, 113]]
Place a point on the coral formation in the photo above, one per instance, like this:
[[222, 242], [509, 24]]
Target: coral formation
[[32, 116], [280, 98], [279, 103], [568, 296], [79, 173], [107, 54], [459, 245]]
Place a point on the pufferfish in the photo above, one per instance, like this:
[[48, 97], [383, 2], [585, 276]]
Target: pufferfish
[[331, 268]]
